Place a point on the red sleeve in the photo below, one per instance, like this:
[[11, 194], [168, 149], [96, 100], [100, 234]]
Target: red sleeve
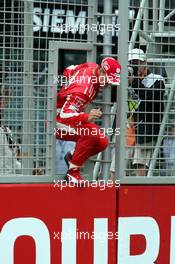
[[72, 110]]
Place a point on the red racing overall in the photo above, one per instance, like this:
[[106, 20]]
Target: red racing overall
[[72, 121]]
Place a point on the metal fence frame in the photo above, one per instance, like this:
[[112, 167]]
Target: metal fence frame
[[124, 45], [90, 44], [54, 47]]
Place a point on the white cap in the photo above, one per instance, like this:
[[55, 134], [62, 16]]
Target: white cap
[[136, 54]]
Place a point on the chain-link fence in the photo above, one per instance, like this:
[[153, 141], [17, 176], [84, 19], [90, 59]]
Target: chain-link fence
[[38, 39], [149, 121]]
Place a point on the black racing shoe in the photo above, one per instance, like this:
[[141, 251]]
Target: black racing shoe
[[68, 158]]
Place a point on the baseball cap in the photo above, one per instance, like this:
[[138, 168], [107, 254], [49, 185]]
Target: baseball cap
[[136, 54], [112, 68]]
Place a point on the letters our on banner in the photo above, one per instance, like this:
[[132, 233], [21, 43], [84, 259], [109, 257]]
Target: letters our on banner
[[46, 225]]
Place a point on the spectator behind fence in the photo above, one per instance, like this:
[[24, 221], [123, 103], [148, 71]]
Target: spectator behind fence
[[130, 142], [149, 88], [9, 150], [169, 151], [133, 103]]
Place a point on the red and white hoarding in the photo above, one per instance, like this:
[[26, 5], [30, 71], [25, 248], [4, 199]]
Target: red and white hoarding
[[42, 224], [146, 225]]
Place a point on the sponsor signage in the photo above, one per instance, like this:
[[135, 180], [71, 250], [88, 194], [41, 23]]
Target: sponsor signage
[[65, 21], [45, 224], [146, 225]]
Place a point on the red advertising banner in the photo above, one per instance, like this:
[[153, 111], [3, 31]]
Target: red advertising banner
[[146, 225], [44, 224]]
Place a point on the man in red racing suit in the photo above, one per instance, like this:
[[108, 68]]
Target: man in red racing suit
[[72, 123]]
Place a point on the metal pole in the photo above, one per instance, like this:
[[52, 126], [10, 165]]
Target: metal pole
[[107, 49], [161, 15], [122, 90], [92, 35], [169, 15], [137, 23], [4, 49], [145, 18], [27, 140], [155, 15], [146, 37], [162, 129], [51, 110]]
